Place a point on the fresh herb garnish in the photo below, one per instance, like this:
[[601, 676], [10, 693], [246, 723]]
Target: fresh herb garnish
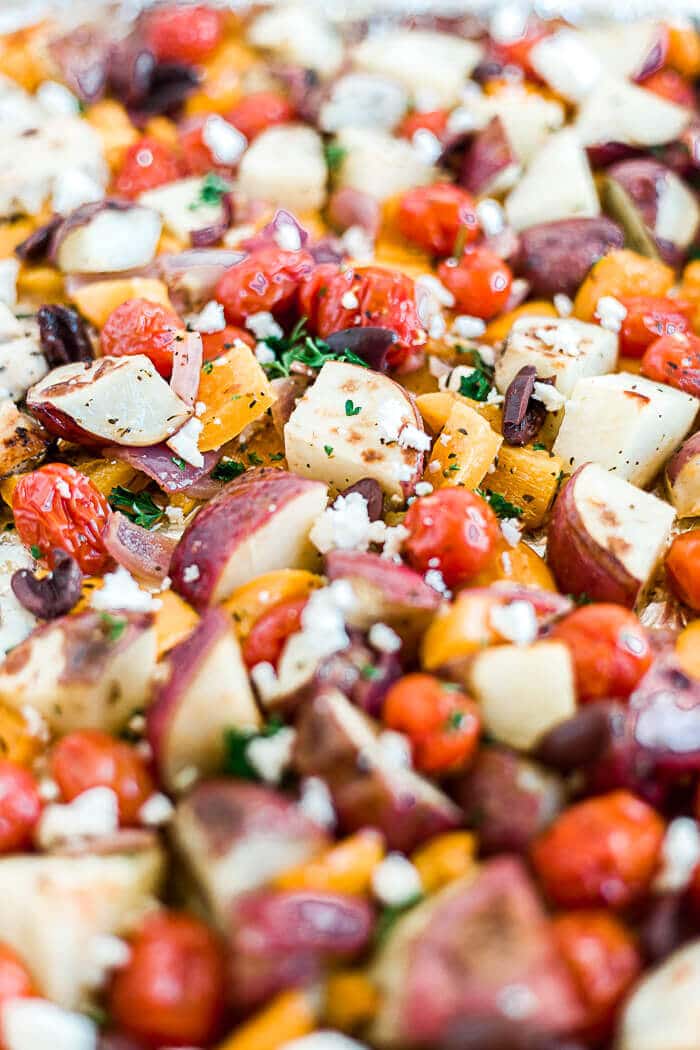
[[138, 506], [476, 385], [254, 459], [179, 462], [227, 470], [335, 155], [370, 673], [539, 447], [208, 368], [211, 191], [300, 346], [352, 409], [328, 449], [236, 744], [501, 507], [113, 625], [36, 552], [276, 457]]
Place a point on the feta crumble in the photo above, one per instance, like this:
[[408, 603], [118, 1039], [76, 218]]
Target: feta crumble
[[384, 638], [434, 579], [74, 187], [156, 810], [263, 354], [37, 1024], [510, 530], [552, 399], [426, 145], [316, 803], [9, 271], [92, 814], [393, 541], [346, 526], [121, 592], [263, 326], [191, 574], [680, 855], [411, 436], [358, 244], [467, 327], [210, 319], [610, 312], [57, 99], [491, 216], [517, 622], [270, 756], [184, 443], [225, 142], [563, 304], [423, 488], [349, 301], [390, 419], [395, 881], [436, 288]]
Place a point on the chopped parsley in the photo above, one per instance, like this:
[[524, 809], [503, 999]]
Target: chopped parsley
[[335, 155], [227, 470], [36, 552], [179, 463], [254, 459], [500, 505], [139, 507], [236, 743], [276, 457], [328, 449], [300, 346], [539, 447], [477, 385], [208, 368], [370, 673], [352, 409], [211, 191], [113, 626]]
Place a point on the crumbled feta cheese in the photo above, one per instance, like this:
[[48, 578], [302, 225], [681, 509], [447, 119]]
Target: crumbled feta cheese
[[436, 288], [184, 442], [105, 953], [191, 573], [680, 855], [423, 488], [563, 304], [57, 99], [467, 327], [74, 187], [510, 529], [395, 881], [316, 803], [453, 380], [494, 398], [270, 756], [92, 814], [461, 119], [264, 678], [517, 622], [225, 142], [37, 1024], [508, 23], [437, 327], [264, 326], [395, 749], [121, 592], [426, 145], [487, 354], [358, 244], [346, 526], [393, 541], [349, 300], [551, 398], [49, 790], [491, 216], [35, 722], [175, 515], [383, 638], [560, 337], [434, 579], [156, 810], [9, 270], [210, 319], [412, 437], [264, 354], [390, 419], [610, 312]]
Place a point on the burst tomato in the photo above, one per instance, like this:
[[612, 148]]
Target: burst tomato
[[648, 318], [269, 634], [89, 758], [480, 282], [441, 722], [669, 84], [139, 326], [268, 279], [609, 649], [437, 217], [20, 806], [57, 507], [147, 164], [453, 531], [434, 120], [259, 111], [183, 32], [683, 568], [675, 359], [214, 344]]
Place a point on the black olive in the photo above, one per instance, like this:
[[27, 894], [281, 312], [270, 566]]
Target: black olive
[[50, 596]]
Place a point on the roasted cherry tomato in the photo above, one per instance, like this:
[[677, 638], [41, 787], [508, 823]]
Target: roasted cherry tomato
[[442, 723], [267, 279], [16, 982], [669, 84], [453, 531], [604, 960], [139, 326], [609, 649], [147, 163], [648, 318], [57, 507], [259, 111], [434, 120], [675, 359], [438, 217], [214, 344], [600, 852], [517, 52], [683, 568], [90, 758], [197, 158], [334, 299], [20, 806], [480, 282], [183, 32], [269, 634], [171, 991]]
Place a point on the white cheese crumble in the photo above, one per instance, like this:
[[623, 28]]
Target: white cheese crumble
[[346, 526], [225, 142], [92, 814], [263, 354], [423, 488], [413, 437], [121, 591], [517, 622], [436, 288], [491, 216], [561, 338], [316, 803], [551, 398], [494, 398], [434, 579], [384, 638], [426, 145], [105, 953], [263, 326], [37, 1024], [73, 187], [395, 881], [191, 573], [270, 756], [680, 855], [287, 235], [510, 530], [264, 678], [563, 304], [175, 515], [390, 419], [156, 810], [393, 541], [210, 318], [610, 312], [57, 99], [358, 244], [349, 301], [465, 326], [184, 443], [460, 119]]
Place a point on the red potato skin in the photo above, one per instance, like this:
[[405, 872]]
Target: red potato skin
[[639, 178], [556, 256], [579, 565], [398, 584], [488, 155], [687, 452], [663, 718]]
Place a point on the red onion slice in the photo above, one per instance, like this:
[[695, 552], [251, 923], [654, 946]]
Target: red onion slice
[[192, 276], [283, 232], [145, 553], [158, 463], [187, 367], [208, 236]]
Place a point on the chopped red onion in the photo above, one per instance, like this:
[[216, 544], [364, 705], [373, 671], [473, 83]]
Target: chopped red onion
[[158, 463], [187, 367], [208, 236], [192, 276], [283, 232]]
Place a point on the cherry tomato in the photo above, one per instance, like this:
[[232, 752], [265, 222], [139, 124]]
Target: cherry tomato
[[604, 961], [214, 344], [57, 507], [442, 723], [648, 318], [675, 359], [16, 982], [197, 158], [90, 758], [267, 279], [20, 806], [183, 33], [171, 991], [268, 635], [453, 531], [600, 852], [384, 298], [609, 649], [517, 52], [139, 326], [147, 163], [683, 568], [480, 282], [669, 84], [437, 217], [259, 111], [434, 120]]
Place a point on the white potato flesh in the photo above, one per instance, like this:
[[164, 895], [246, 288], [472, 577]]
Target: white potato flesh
[[118, 400], [285, 165], [15, 621], [363, 100], [528, 118], [296, 36], [663, 1011], [562, 347], [617, 111], [112, 241], [557, 184], [431, 66], [567, 64], [624, 49], [375, 162], [677, 212], [324, 443], [632, 525], [626, 423], [181, 207], [523, 691], [22, 362]]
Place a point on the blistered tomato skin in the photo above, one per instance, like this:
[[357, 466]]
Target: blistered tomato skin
[[442, 723], [600, 852], [258, 111], [683, 568], [434, 121], [147, 164], [671, 85], [20, 806], [453, 531], [437, 217], [675, 360], [267, 280], [88, 758], [648, 319], [58, 507], [184, 33], [16, 982], [480, 282], [269, 634], [609, 649], [171, 991], [139, 326]]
